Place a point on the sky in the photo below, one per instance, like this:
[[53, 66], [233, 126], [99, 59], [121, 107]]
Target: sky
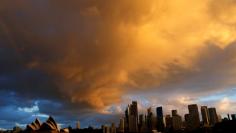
[[85, 60]]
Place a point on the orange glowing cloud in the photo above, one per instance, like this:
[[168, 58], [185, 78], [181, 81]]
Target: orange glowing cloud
[[100, 50]]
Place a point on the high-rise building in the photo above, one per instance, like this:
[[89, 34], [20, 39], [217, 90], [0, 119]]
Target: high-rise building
[[213, 116], [168, 120], [78, 125], [176, 120], [149, 119], [159, 112], [105, 129], [127, 119], [141, 122], [132, 115], [133, 124], [122, 125], [160, 122], [154, 123], [205, 115], [113, 128], [174, 112], [144, 122], [194, 116], [134, 108], [187, 121]]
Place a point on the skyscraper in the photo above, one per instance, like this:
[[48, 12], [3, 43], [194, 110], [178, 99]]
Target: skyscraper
[[194, 116], [168, 120], [133, 117], [134, 108], [127, 119], [149, 119], [205, 115], [78, 125], [105, 129], [113, 128], [213, 116], [133, 127], [141, 119], [159, 111], [187, 121], [160, 122], [122, 125], [176, 120], [141, 122], [154, 123], [174, 112]]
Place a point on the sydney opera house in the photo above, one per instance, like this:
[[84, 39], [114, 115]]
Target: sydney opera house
[[50, 126]]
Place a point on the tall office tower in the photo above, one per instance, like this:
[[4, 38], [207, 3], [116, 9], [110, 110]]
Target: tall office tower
[[159, 112], [213, 116], [168, 121], [105, 129], [126, 128], [205, 115], [133, 127], [174, 112], [154, 122], [194, 116], [78, 125], [145, 124], [149, 119], [160, 122], [134, 108], [141, 122], [127, 119], [113, 128], [141, 119], [187, 121], [176, 120], [122, 125], [133, 117]]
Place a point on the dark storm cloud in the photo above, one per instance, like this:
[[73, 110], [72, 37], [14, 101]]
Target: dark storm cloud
[[68, 48], [78, 58]]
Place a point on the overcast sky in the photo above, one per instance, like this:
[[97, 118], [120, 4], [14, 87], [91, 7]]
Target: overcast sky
[[87, 59]]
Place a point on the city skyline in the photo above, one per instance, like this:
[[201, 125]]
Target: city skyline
[[132, 113], [87, 59], [133, 121]]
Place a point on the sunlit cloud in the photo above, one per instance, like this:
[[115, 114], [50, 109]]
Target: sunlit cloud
[[94, 57], [224, 104], [40, 115], [32, 109]]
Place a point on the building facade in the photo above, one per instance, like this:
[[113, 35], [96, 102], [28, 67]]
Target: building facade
[[205, 115], [194, 121], [160, 119], [213, 116]]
